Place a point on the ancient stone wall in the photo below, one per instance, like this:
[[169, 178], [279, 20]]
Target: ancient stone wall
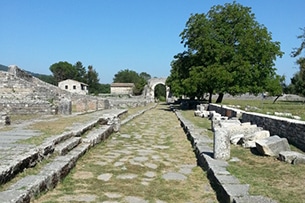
[[293, 130], [21, 93], [125, 103], [225, 111]]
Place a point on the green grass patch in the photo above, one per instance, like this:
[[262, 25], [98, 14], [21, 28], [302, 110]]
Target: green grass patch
[[268, 176], [267, 107], [202, 123]]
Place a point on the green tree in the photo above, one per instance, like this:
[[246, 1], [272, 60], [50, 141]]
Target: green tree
[[179, 73], [80, 72], [230, 53], [145, 76], [62, 71], [298, 80], [160, 92], [47, 78], [130, 76], [104, 88], [93, 81]]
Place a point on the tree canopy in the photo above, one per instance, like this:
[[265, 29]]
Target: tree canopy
[[297, 85], [228, 51], [130, 76], [63, 70]]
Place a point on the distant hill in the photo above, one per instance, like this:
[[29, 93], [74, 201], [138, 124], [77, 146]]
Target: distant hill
[[3, 67], [37, 75]]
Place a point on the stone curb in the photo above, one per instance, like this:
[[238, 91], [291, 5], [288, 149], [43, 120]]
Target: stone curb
[[131, 117], [30, 186], [227, 187]]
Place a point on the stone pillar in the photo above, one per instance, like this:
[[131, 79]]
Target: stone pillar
[[221, 146], [116, 124], [4, 118], [65, 107]]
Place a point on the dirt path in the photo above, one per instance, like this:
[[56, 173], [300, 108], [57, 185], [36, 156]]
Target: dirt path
[[149, 160]]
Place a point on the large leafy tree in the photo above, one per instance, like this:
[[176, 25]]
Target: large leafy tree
[[62, 71], [179, 73], [130, 76], [228, 51], [298, 80]]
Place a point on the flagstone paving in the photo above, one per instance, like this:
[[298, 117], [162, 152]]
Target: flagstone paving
[[148, 160]]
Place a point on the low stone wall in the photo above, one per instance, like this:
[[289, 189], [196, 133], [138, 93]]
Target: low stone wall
[[293, 130], [27, 107], [125, 103], [226, 111]]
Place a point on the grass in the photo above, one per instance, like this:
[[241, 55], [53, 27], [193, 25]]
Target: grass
[[199, 122], [266, 176], [296, 108]]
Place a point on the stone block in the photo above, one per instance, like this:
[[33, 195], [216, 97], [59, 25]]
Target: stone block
[[242, 129], [248, 141], [221, 147], [214, 115], [204, 114], [65, 106], [253, 199], [272, 146], [258, 135], [228, 123], [292, 157], [197, 113], [235, 139], [234, 190]]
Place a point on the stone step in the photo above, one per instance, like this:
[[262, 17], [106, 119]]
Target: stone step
[[67, 145], [13, 164], [48, 177], [97, 135]]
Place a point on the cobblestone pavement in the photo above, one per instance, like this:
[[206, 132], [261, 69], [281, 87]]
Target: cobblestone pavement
[[149, 160]]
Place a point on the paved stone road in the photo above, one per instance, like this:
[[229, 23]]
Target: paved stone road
[[149, 160]]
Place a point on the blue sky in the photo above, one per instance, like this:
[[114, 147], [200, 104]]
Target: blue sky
[[113, 35]]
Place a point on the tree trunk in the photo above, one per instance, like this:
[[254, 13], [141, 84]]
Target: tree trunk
[[210, 97], [278, 96], [219, 99]]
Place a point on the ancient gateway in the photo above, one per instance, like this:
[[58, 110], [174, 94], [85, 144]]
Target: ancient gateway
[[149, 90]]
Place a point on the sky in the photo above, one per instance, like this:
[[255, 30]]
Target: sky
[[115, 35]]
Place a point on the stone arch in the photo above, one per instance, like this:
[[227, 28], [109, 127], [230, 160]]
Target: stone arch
[[150, 88]]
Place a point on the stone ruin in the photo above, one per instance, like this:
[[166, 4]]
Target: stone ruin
[[22, 93], [4, 119], [229, 131]]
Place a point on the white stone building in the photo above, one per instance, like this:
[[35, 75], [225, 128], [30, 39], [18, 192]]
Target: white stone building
[[121, 88], [73, 86]]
